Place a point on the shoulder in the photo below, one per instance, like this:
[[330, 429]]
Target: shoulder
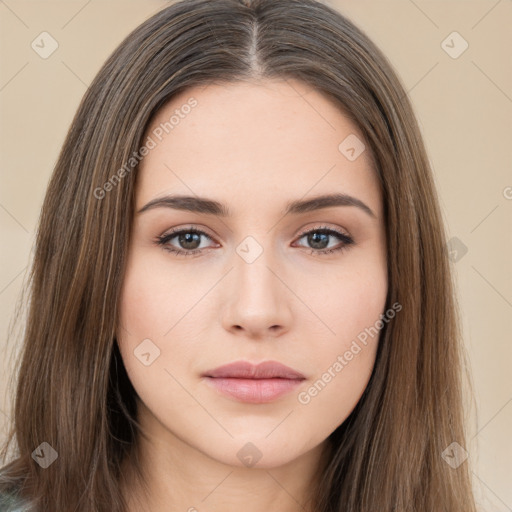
[[11, 503], [11, 499]]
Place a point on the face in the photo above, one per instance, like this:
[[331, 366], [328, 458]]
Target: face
[[260, 273]]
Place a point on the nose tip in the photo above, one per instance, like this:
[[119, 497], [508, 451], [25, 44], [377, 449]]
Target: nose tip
[[257, 303]]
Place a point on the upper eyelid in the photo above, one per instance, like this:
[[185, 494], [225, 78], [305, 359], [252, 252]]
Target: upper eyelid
[[323, 228], [177, 231]]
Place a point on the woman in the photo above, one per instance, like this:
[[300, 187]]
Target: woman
[[240, 293]]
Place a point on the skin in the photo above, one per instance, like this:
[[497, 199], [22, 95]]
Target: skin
[[254, 146]]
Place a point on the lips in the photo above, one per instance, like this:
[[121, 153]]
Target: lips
[[246, 382], [246, 370]]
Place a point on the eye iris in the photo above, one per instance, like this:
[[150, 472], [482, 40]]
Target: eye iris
[[318, 238], [187, 238]]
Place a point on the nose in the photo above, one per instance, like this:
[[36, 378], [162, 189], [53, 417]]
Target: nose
[[257, 301]]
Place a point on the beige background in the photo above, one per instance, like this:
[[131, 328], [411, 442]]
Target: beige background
[[464, 106]]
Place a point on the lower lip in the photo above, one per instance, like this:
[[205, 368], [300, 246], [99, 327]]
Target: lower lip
[[255, 391]]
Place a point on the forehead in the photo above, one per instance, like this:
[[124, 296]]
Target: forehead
[[269, 139]]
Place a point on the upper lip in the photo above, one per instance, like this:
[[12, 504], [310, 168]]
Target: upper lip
[[247, 370]]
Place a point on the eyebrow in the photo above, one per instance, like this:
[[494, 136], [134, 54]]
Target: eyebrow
[[211, 207]]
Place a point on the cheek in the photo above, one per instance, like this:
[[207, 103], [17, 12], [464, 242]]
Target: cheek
[[156, 307], [345, 307], [153, 297], [146, 311], [140, 310], [351, 309]]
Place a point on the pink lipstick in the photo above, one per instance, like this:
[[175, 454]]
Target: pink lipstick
[[253, 383]]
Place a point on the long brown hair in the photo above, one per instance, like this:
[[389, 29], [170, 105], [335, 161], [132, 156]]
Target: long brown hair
[[72, 390]]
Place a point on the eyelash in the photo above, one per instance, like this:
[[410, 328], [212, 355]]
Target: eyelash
[[164, 239]]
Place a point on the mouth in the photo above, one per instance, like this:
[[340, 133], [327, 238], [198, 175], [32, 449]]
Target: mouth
[[251, 383]]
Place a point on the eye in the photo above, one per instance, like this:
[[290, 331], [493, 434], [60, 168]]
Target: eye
[[319, 239], [189, 240]]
